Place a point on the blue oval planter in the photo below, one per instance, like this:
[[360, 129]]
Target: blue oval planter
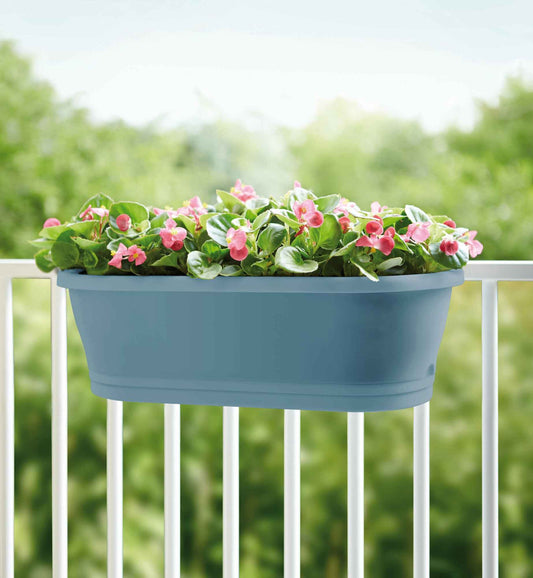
[[321, 343]]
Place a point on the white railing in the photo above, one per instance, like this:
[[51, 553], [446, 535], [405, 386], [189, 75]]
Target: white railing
[[488, 272]]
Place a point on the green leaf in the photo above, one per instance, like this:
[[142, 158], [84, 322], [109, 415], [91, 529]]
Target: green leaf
[[218, 226], [99, 200], [328, 203], [42, 243], [330, 233], [299, 195], [137, 212], [83, 228], [187, 222], [457, 261], [205, 217], [200, 266], [147, 240], [390, 263], [158, 221], [89, 259], [114, 244], [65, 252], [231, 203], [254, 266], [44, 261], [287, 217], [89, 245], [101, 268], [170, 260], [213, 250], [370, 274], [345, 250], [231, 271], [416, 215], [261, 220], [291, 259], [272, 237], [257, 205], [333, 267]]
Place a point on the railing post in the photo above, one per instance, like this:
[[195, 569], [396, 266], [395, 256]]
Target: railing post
[[172, 491], [421, 491], [356, 497], [292, 494], [7, 431], [114, 490], [59, 431], [490, 428], [230, 504]]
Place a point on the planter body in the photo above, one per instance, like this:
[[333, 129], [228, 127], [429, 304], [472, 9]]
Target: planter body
[[338, 344]]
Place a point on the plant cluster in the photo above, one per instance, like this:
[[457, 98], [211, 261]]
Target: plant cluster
[[245, 234]]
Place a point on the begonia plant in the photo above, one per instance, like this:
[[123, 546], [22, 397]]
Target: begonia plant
[[244, 234]]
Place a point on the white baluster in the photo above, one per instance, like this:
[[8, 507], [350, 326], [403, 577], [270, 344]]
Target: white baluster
[[59, 432], [114, 490], [356, 496], [7, 430], [490, 428], [292, 494], [421, 491], [172, 491], [231, 492]]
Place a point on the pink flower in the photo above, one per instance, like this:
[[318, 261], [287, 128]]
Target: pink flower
[[376, 208], [51, 222], [121, 252], [90, 212], [237, 244], [450, 223], [307, 213], [170, 212], [136, 254], [123, 222], [475, 247], [345, 224], [243, 192], [384, 243], [449, 246], [172, 235], [192, 208], [297, 185], [375, 227], [345, 206], [417, 232]]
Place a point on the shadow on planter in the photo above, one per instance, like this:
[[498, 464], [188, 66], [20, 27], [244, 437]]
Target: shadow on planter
[[320, 343]]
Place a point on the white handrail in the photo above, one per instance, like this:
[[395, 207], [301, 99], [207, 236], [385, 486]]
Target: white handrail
[[499, 271], [474, 271]]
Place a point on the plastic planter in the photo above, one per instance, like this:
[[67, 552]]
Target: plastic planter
[[320, 343]]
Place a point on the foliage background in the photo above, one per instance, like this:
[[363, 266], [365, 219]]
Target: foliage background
[[53, 156]]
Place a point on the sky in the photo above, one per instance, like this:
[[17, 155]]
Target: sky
[[279, 61]]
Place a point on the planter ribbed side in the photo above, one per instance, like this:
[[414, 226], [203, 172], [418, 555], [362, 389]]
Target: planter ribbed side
[[320, 343]]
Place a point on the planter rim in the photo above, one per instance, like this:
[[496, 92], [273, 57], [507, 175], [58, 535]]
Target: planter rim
[[74, 279]]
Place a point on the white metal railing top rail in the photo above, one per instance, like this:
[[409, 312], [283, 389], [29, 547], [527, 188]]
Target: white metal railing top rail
[[488, 272]]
